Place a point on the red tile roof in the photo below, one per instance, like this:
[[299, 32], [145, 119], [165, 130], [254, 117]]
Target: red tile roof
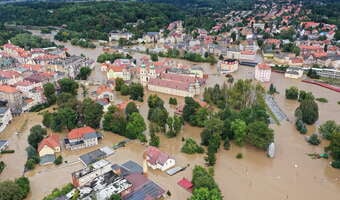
[[80, 132], [263, 66], [7, 89], [51, 141], [156, 156], [103, 88]]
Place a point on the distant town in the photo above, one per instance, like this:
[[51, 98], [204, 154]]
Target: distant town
[[218, 103]]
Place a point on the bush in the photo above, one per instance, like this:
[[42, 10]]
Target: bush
[[30, 164], [2, 166], [314, 140], [172, 101], [292, 93], [322, 100], [336, 164], [57, 192], [7, 151], [58, 160], [300, 126], [190, 147], [239, 156]]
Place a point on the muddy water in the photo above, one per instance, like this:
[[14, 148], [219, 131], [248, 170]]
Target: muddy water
[[291, 175]]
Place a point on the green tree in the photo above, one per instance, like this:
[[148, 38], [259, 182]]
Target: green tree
[[259, 135], [202, 179], [49, 92], [135, 126], [189, 110], [154, 140], [172, 101], [68, 85], [119, 82], [69, 117], [84, 73], [309, 111], [190, 147], [174, 126], [58, 160], [154, 101], [158, 115], [115, 197], [210, 159], [314, 139], [292, 93], [136, 91], [239, 129], [92, 112], [114, 121], [154, 57], [37, 133], [131, 108], [334, 146], [206, 194], [9, 190], [328, 129]]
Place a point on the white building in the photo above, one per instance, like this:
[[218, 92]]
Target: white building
[[158, 160], [5, 117], [262, 72], [294, 72], [228, 66], [86, 175], [117, 35], [80, 138]]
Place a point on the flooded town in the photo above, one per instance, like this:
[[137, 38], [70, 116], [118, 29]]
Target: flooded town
[[228, 112]]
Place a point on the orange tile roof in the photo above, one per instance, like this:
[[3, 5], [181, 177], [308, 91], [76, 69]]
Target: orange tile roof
[[51, 141], [80, 132], [7, 89], [263, 66], [103, 88]]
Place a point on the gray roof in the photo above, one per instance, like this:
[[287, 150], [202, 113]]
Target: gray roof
[[92, 157], [133, 167], [46, 159], [150, 189], [90, 135], [2, 143]]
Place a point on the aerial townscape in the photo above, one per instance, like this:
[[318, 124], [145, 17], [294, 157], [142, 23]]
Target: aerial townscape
[[169, 100]]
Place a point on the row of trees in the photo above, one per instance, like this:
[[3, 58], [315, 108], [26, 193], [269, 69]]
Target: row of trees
[[243, 117], [128, 123], [111, 57], [194, 57], [17, 189], [205, 186], [134, 90], [37, 133], [330, 130], [71, 112]]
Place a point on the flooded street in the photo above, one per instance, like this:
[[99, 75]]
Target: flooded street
[[292, 174]]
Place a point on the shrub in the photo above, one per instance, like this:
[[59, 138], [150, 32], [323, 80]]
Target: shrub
[[7, 151], [300, 126], [190, 147], [57, 192], [292, 93], [314, 140], [322, 100], [336, 164], [172, 101], [30, 164], [2, 166], [58, 160], [239, 156]]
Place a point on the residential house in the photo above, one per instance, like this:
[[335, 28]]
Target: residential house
[[262, 72], [104, 92], [158, 160], [80, 138], [47, 149]]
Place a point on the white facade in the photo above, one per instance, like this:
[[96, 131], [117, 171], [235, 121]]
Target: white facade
[[163, 167], [5, 118], [294, 72], [262, 74], [191, 92], [228, 66]]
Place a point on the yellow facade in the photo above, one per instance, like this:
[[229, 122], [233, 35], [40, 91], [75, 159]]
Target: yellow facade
[[46, 150]]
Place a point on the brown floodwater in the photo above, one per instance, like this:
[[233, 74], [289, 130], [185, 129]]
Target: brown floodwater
[[292, 174]]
